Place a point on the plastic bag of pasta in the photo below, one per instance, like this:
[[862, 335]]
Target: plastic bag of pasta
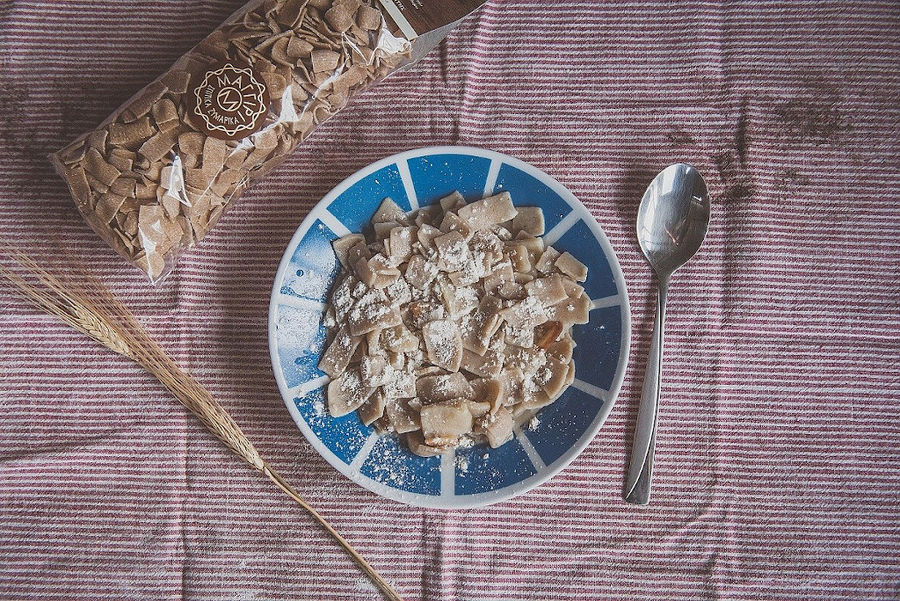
[[154, 178]]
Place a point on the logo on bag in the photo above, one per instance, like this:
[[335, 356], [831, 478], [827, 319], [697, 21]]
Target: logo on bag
[[230, 103]]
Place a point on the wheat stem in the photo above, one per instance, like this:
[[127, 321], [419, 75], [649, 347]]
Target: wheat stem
[[382, 584], [91, 308]]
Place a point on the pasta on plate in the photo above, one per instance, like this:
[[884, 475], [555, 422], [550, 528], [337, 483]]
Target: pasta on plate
[[449, 325]]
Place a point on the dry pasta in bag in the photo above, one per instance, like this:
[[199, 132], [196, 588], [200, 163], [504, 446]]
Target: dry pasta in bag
[[155, 177]]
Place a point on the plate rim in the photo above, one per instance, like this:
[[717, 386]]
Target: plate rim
[[479, 499]]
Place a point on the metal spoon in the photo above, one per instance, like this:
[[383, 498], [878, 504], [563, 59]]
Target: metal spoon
[[671, 224]]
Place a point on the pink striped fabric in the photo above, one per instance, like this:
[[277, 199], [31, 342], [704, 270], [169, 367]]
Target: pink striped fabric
[[776, 473]]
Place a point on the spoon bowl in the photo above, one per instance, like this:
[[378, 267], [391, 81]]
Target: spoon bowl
[[672, 222], [673, 218]]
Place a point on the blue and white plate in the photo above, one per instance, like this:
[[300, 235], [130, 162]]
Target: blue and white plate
[[475, 476]]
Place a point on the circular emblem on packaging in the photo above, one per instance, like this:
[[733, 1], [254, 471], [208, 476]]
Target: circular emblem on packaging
[[229, 101]]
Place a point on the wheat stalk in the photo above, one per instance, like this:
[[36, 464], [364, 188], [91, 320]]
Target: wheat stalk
[[91, 308]]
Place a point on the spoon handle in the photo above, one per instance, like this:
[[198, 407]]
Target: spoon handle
[[637, 489]]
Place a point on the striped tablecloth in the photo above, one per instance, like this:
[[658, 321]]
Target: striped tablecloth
[[776, 473]]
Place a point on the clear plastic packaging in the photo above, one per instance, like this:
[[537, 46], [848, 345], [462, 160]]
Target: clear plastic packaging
[[154, 178]]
